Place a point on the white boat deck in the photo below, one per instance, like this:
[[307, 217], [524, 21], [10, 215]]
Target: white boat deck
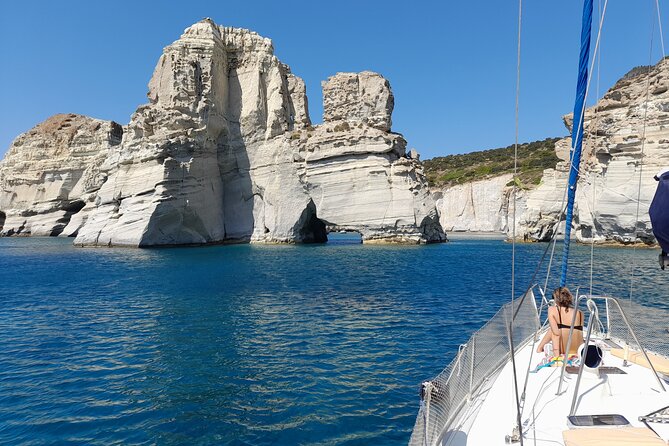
[[492, 414]]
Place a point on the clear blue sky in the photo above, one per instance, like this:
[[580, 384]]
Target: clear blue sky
[[451, 64]]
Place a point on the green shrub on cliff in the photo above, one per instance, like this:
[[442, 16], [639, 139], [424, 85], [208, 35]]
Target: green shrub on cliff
[[533, 158]]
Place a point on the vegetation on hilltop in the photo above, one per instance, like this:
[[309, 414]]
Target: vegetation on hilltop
[[533, 158]]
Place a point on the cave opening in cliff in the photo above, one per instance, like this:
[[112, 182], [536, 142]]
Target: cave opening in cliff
[[3, 217], [343, 237], [74, 206], [313, 229]]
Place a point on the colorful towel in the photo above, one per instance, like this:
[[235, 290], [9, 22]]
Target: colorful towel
[[556, 361]]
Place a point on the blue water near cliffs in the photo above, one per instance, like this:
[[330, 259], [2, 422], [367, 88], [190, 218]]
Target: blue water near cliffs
[[321, 344]]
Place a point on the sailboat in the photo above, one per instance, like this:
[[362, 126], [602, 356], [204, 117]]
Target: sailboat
[[499, 390]]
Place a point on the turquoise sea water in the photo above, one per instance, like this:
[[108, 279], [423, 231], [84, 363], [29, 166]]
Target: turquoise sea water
[[321, 344]]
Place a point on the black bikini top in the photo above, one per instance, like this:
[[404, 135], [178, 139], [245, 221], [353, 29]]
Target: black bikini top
[[561, 325]]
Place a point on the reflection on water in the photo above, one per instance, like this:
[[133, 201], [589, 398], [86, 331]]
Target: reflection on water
[[322, 344]]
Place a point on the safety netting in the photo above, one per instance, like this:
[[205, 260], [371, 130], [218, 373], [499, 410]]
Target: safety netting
[[487, 350], [648, 326]]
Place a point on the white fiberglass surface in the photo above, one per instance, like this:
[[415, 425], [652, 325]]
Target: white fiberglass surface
[[491, 415]]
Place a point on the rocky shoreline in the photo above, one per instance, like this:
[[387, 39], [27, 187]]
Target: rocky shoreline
[[615, 156], [225, 152]]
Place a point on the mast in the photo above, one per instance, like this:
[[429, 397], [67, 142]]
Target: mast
[[577, 130]]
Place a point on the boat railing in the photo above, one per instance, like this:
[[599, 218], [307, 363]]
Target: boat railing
[[628, 323], [594, 317], [487, 350]]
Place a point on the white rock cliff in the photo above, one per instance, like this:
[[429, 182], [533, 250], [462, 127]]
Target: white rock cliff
[[357, 171], [224, 152], [478, 206], [626, 143], [48, 171], [618, 165]]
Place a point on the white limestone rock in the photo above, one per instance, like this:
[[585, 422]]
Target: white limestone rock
[[615, 158], [363, 97], [297, 96], [414, 155], [478, 206], [358, 173], [225, 152], [50, 171], [206, 161], [606, 200]]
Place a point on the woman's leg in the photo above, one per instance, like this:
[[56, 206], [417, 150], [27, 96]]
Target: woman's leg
[[546, 339]]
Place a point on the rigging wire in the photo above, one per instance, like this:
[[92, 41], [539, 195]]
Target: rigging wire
[[598, 57], [592, 233], [580, 132], [513, 231], [643, 146], [659, 23]]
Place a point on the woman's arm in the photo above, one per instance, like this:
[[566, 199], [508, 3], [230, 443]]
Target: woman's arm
[[554, 330], [550, 333], [553, 321]]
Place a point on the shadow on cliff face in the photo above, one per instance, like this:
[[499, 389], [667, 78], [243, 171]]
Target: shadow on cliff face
[[70, 209], [234, 165], [238, 197], [3, 217], [251, 206]]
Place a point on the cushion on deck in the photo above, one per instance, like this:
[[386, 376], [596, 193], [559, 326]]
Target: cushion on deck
[[660, 363], [608, 436]]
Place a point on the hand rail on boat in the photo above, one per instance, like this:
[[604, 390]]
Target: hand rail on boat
[[428, 387], [608, 321], [594, 314], [606, 300]]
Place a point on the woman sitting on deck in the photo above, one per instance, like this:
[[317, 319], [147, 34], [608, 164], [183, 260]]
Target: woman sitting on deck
[[559, 320]]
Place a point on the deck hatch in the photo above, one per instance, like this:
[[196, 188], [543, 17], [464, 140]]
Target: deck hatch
[[604, 370], [597, 420]]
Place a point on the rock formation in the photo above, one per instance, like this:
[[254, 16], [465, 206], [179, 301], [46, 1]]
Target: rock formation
[[224, 152], [615, 156], [357, 171], [478, 206], [50, 170], [207, 160], [358, 98]]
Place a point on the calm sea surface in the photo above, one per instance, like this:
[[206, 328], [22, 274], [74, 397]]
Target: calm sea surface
[[322, 344]]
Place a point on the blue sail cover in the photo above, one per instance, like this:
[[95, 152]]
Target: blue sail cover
[[577, 130], [659, 212]]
